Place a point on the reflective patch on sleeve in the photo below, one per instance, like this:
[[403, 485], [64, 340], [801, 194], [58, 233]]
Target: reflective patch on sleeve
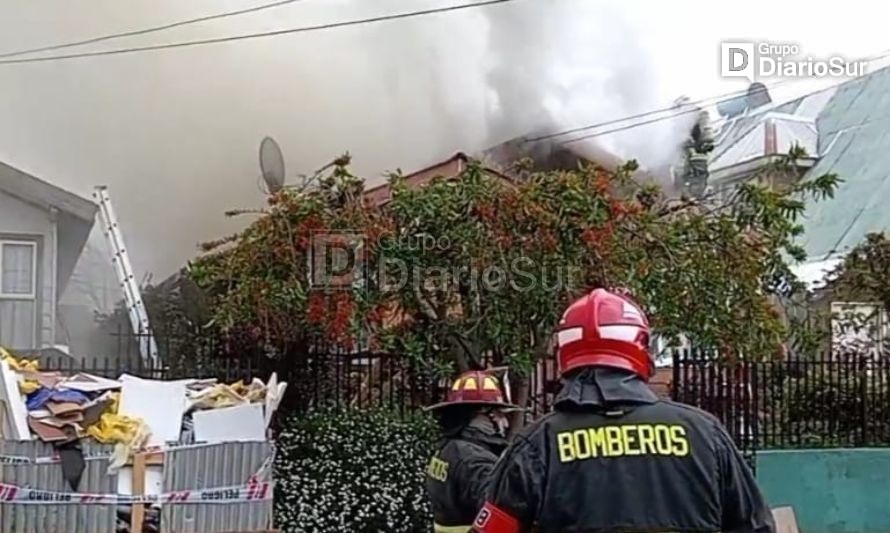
[[492, 519], [438, 469]]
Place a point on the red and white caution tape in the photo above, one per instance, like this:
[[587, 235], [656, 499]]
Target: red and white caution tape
[[96, 456], [252, 491]]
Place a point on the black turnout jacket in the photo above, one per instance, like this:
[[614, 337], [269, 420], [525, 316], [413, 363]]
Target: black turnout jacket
[[614, 457]]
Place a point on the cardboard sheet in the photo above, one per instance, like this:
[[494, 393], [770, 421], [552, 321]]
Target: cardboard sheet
[[160, 404], [89, 383], [15, 416], [45, 379], [49, 433], [63, 408], [230, 424]]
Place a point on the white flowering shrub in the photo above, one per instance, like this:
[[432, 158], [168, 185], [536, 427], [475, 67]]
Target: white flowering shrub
[[354, 471]]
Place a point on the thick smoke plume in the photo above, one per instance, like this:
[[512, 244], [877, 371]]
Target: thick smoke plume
[[174, 134], [560, 65]]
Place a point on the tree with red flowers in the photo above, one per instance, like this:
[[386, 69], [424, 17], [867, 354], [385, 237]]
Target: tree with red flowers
[[477, 269]]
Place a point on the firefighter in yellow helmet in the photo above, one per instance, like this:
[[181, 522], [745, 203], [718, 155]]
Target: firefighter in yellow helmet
[[474, 423]]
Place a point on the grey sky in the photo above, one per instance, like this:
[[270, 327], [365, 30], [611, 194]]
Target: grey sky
[[175, 133]]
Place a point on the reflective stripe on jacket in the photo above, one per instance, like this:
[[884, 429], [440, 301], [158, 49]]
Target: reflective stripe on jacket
[[458, 476]]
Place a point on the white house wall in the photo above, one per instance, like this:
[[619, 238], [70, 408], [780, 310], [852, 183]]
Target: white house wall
[[19, 219]]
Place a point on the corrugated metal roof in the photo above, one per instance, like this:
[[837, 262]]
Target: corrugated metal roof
[[803, 133], [854, 128], [745, 148], [789, 129], [811, 106], [851, 139]]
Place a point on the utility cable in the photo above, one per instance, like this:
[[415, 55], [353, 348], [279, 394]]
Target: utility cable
[[145, 31], [231, 38], [674, 110], [691, 109]]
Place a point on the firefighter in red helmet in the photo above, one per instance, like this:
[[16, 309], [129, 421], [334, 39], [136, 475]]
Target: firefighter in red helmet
[[614, 457], [473, 421]]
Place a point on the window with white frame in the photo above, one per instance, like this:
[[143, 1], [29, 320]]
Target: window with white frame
[[18, 293]]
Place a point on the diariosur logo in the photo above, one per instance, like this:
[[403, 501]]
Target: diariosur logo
[[758, 60]]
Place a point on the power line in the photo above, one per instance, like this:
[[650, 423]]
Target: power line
[[304, 29], [144, 31], [674, 111], [693, 109], [710, 99]]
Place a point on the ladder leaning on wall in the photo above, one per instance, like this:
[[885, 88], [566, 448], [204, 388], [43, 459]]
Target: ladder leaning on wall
[[120, 260]]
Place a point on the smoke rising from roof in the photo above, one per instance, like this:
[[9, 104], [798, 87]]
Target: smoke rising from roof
[[174, 134], [562, 65]]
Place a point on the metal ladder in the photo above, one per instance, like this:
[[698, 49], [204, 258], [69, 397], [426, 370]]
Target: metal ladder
[[120, 260]]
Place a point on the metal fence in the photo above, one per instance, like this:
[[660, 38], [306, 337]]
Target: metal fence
[[826, 401], [316, 374], [829, 400], [49, 516], [192, 469]]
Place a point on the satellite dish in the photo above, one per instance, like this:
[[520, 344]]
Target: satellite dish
[[272, 165]]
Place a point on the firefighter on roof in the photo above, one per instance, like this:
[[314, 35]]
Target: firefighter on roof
[[473, 420], [612, 456]]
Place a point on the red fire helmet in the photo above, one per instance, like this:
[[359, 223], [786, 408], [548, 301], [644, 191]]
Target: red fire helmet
[[476, 387], [604, 329]]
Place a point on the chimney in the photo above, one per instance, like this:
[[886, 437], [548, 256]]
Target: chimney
[[769, 137]]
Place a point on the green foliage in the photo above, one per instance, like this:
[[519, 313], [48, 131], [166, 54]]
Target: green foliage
[[354, 471], [830, 404], [860, 278], [479, 267], [863, 276]]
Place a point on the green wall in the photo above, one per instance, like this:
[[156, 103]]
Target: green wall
[[831, 491]]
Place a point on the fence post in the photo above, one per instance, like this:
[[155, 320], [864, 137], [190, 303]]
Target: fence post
[[675, 378], [862, 363], [752, 374]]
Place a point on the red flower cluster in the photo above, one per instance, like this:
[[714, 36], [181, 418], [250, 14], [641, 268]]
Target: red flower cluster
[[304, 230], [485, 211], [333, 312], [341, 318], [602, 183], [597, 238], [547, 241], [316, 311]]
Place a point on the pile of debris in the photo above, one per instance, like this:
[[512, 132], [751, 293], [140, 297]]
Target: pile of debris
[[130, 412]]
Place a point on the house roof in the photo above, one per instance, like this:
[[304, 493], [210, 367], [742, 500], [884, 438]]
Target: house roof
[[76, 215], [449, 168], [46, 195], [852, 139], [753, 141], [854, 142]]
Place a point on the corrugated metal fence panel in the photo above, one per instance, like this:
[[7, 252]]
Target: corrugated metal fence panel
[[207, 467], [50, 518]]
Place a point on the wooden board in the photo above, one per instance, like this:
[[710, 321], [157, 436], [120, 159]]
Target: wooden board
[[138, 515]]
